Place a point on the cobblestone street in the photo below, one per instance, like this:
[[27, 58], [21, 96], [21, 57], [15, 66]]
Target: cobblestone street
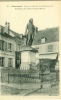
[[54, 91], [24, 90]]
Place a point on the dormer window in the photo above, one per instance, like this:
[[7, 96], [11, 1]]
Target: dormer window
[[43, 40]]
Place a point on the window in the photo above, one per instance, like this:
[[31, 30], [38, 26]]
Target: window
[[50, 48], [18, 56], [10, 62], [1, 45], [1, 61], [9, 46], [5, 46], [43, 40]]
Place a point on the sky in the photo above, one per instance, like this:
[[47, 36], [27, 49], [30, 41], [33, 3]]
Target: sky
[[18, 18]]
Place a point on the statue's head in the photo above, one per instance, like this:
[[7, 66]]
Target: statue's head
[[31, 20]]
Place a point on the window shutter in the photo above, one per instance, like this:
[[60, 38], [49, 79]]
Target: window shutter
[[10, 62], [0, 61], [5, 46], [0, 44], [11, 47]]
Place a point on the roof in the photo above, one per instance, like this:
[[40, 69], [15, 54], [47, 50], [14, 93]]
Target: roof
[[51, 35], [7, 36], [15, 33]]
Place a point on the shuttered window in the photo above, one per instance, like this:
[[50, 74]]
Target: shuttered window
[[1, 45], [10, 62], [5, 46], [9, 47], [1, 61]]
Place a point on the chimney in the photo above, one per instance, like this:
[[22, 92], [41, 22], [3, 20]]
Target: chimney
[[7, 27], [1, 29]]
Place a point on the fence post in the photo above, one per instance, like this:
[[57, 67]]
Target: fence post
[[1, 76], [56, 75], [8, 77], [20, 79]]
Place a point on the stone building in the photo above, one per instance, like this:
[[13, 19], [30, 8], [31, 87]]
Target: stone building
[[47, 43], [7, 49], [10, 44]]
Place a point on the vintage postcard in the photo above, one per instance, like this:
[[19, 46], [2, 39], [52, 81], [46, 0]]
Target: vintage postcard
[[30, 49]]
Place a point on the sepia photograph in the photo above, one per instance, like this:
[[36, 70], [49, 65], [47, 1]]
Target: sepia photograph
[[29, 48]]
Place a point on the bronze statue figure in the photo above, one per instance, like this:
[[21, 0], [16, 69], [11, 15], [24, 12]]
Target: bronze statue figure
[[30, 31]]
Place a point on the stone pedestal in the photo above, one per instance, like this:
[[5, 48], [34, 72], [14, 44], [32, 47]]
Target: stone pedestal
[[28, 56]]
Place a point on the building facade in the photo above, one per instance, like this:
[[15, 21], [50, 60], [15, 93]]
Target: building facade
[[7, 49], [10, 45], [19, 41], [47, 43]]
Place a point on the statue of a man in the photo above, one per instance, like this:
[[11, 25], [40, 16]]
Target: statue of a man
[[30, 31]]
